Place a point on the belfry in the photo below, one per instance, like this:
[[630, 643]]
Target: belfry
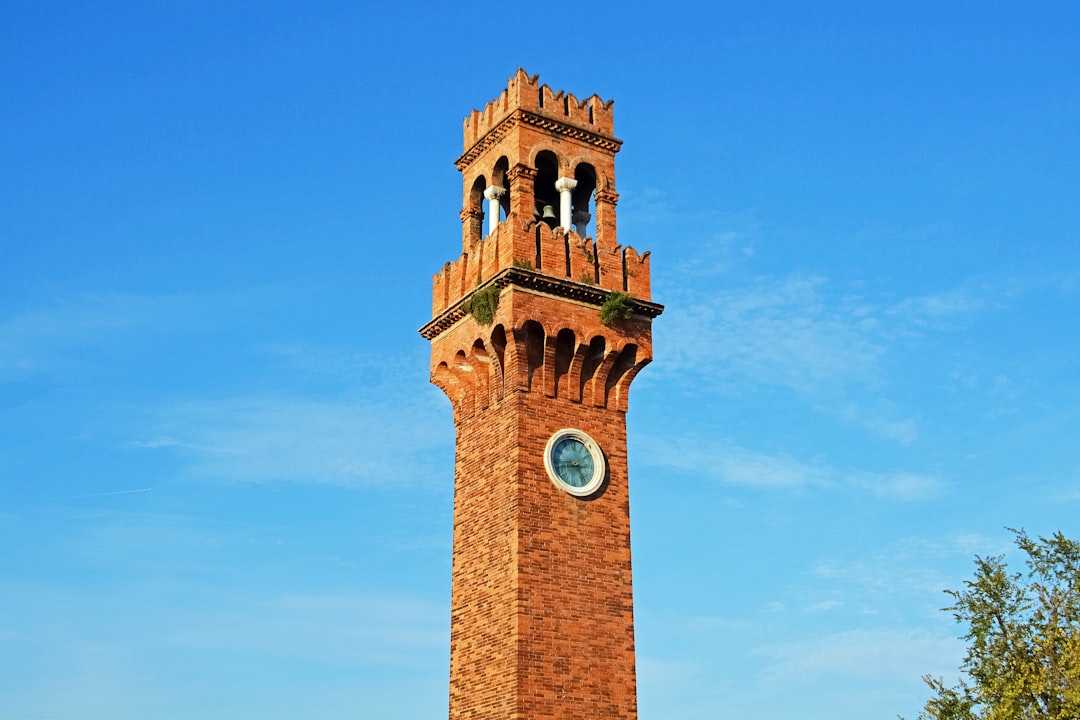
[[538, 330]]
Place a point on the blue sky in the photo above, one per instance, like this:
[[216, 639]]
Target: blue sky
[[226, 484]]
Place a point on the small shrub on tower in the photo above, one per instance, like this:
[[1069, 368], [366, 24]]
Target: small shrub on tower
[[483, 304], [616, 308]]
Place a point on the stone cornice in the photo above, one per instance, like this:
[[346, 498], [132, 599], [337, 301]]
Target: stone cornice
[[525, 117], [538, 282]]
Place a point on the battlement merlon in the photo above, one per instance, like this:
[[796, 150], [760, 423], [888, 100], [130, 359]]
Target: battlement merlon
[[554, 253], [525, 92]]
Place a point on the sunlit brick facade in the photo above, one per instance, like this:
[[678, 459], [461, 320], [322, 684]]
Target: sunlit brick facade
[[542, 624]]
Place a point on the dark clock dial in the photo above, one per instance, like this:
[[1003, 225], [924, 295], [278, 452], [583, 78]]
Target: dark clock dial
[[573, 462]]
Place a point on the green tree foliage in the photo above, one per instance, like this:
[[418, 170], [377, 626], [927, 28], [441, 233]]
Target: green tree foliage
[[1023, 659]]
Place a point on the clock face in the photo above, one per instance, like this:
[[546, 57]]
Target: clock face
[[574, 462]]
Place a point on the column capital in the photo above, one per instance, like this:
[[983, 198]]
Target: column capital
[[565, 184], [494, 192]]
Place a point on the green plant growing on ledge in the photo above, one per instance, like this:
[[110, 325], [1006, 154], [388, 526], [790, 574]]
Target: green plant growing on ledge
[[616, 308], [483, 304], [523, 264]]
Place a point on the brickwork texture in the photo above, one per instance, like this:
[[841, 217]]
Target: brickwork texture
[[542, 624]]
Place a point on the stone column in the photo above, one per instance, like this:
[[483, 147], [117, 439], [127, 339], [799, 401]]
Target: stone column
[[565, 186], [581, 222], [493, 194]]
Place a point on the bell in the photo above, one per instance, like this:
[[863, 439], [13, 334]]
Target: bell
[[549, 215]]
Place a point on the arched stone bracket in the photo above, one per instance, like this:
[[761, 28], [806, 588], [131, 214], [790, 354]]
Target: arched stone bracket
[[556, 361]]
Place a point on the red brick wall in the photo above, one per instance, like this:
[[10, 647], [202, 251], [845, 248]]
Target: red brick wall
[[483, 602], [542, 624], [575, 611], [542, 605]]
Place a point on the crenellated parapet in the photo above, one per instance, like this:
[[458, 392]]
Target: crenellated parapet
[[538, 180], [524, 93], [553, 252], [539, 226]]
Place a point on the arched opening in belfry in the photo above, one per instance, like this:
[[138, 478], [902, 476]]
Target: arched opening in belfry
[[545, 196], [499, 180], [585, 175], [475, 207]]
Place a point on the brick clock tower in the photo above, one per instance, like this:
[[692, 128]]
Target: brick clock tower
[[538, 330]]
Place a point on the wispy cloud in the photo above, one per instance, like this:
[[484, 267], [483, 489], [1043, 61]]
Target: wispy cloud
[[940, 311], [823, 606], [111, 493], [352, 441], [342, 417], [385, 426], [913, 566], [157, 442], [708, 622], [725, 462], [39, 339], [114, 655], [800, 332], [886, 653], [360, 628], [775, 332], [842, 348], [904, 431], [898, 485]]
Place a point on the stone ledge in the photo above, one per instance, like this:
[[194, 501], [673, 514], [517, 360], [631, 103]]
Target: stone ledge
[[534, 280]]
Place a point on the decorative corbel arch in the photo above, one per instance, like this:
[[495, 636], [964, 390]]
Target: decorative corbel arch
[[591, 361], [616, 376], [463, 371], [529, 341], [445, 380], [575, 380], [622, 387], [565, 350], [498, 361], [597, 389], [480, 363]]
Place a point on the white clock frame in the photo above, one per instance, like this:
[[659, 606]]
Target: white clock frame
[[599, 462]]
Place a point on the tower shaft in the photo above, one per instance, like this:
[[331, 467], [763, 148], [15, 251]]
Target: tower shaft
[[542, 604]]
